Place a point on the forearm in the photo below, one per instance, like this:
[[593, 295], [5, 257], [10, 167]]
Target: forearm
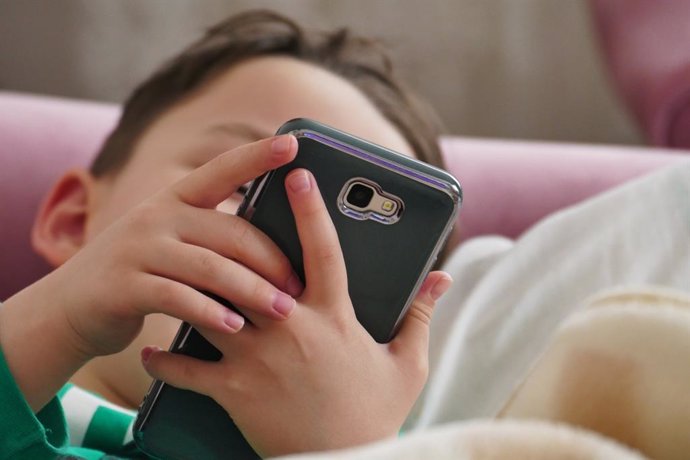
[[38, 343]]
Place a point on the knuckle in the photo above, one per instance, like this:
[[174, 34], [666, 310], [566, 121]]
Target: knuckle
[[342, 323], [232, 388], [225, 160], [283, 268], [205, 310], [328, 254], [144, 217], [208, 264], [242, 234], [231, 384], [311, 211], [186, 371], [167, 293], [421, 312], [260, 291], [124, 251]]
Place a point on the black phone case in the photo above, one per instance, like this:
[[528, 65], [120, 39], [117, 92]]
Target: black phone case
[[386, 264]]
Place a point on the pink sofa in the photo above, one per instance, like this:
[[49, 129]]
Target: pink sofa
[[508, 185], [645, 44]]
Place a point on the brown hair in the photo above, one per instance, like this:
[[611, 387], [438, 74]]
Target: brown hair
[[259, 33]]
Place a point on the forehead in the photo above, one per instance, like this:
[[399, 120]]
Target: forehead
[[265, 92]]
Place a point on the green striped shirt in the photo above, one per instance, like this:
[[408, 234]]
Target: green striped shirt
[[94, 422], [75, 424]]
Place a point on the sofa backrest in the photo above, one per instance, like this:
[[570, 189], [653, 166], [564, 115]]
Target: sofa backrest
[[508, 185]]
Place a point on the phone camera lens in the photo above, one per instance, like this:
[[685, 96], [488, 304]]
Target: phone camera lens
[[359, 195]]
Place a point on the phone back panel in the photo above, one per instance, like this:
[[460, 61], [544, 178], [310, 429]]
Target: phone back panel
[[386, 264]]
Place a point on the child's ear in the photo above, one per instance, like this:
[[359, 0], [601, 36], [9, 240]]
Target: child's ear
[[60, 226]]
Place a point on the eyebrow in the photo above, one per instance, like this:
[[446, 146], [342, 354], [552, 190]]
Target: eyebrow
[[248, 131]]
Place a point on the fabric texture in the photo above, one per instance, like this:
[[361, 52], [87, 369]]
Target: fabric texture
[[75, 424], [94, 422], [619, 366], [509, 299], [488, 440], [26, 435]]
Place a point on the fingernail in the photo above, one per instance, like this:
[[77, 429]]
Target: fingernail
[[283, 304], [146, 353], [233, 321], [280, 144], [298, 181], [294, 286], [440, 287]]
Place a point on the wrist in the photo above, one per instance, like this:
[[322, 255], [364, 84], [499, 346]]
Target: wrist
[[38, 344]]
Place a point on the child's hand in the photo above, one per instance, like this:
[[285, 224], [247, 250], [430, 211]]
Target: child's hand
[[152, 260], [317, 381]]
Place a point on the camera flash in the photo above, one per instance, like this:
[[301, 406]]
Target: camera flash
[[388, 205]]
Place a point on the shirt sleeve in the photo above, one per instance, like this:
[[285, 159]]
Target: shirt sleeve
[[25, 434], [94, 422]]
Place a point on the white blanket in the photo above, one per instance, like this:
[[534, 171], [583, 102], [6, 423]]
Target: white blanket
[[509, 297]]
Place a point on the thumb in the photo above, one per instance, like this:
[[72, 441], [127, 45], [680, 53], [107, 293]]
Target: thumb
[[413, 336], [180, 371]]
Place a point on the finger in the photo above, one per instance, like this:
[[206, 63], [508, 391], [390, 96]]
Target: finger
[[180, 371], [324, 266], [216, 180], [180, 301], [206, 270], [413, 336], [235, 238]]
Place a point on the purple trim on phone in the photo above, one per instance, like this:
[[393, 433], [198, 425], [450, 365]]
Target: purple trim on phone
[[377, 160]]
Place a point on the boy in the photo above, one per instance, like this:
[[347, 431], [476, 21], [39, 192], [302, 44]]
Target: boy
[[134, 237]]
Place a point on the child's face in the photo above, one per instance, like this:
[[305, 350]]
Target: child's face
[[247, 102]]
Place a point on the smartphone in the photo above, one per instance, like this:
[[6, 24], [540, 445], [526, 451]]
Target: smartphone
[[392, 214]]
